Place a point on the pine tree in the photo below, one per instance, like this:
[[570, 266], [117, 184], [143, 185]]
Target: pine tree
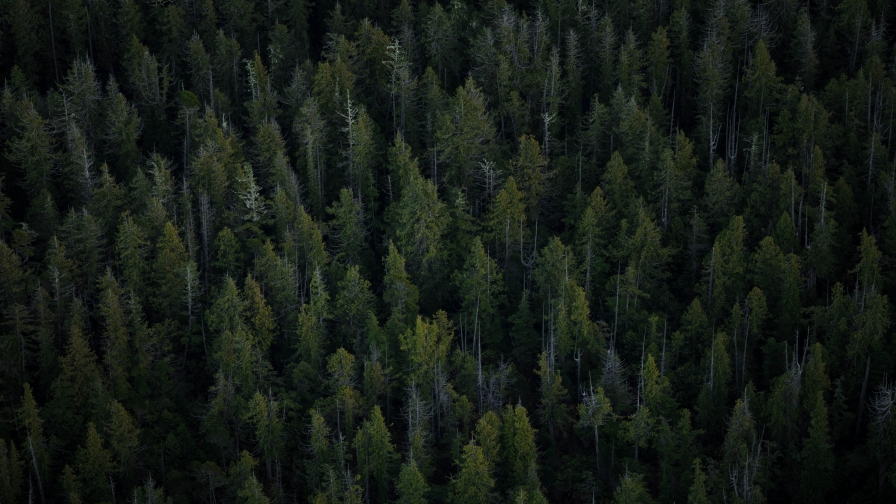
[[131, 246], [411, 486], [465, 133], [77, 385], [37, 451], [400, 294], [817, 456], [342, 382], [263, 413], [697, 493], [721, 191], [551, 408], [118, 352], [724, 267], [741, 453], [473, 483], [259, 316], [124, 438], [631, 490], [349, 231], [94, 465], [480, 287], [507, 219], [147, 79], [354, 303], [530, 169], [10, 472], [618, 186], [518, 449], [30, 147], [594, 411], [320, 449], [170, 259], [248, 488], [227, 313], [419, 221], [375, 453]]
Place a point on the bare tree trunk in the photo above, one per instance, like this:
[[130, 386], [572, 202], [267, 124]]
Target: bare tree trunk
[[40, 485]]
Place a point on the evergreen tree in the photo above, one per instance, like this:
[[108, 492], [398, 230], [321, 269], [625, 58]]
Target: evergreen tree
[[697, 493], [124, 438], [594, 412], [518, 449], [473, 483], [817, 456], [168, 280], [375, 453], [10, 472], [36, 448], [400, 294], [411, 486], [94, 465], [631, 489]]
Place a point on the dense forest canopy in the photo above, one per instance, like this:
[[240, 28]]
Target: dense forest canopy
[[471, 252]]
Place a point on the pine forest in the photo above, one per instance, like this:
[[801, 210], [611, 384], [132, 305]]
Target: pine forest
[[432, 251]]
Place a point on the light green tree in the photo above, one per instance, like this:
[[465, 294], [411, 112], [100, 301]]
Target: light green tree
[[376, 454], [95, 465], [817, 457], [631, 490], [518, 451], [124, 438], [411, 486], [474, 483]]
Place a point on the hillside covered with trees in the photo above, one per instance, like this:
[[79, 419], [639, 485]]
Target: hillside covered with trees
[[465, 252]]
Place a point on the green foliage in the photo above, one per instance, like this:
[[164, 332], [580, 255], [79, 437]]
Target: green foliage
[[278, 252], [519, 452], [631, 489], [817, 456], [375, 451], [474, 482], [411, 486], [94, 465], [10, 472]]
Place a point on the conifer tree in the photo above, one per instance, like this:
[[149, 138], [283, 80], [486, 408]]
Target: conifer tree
[[259, 316], [419, 222], [507, 218], [480, 287], [94, 465], [411, 486], [118, 352], [36, 448], [594, 411], [77, 385], [465, 133], [354, 303], [124, 438], [10, 472], [530, 169], [698, 493], [473, 483], [375, 453], [400, 294], [518, 449], [551, 408], [631, 489], [349, 229], [170, 259], [817, 455]]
